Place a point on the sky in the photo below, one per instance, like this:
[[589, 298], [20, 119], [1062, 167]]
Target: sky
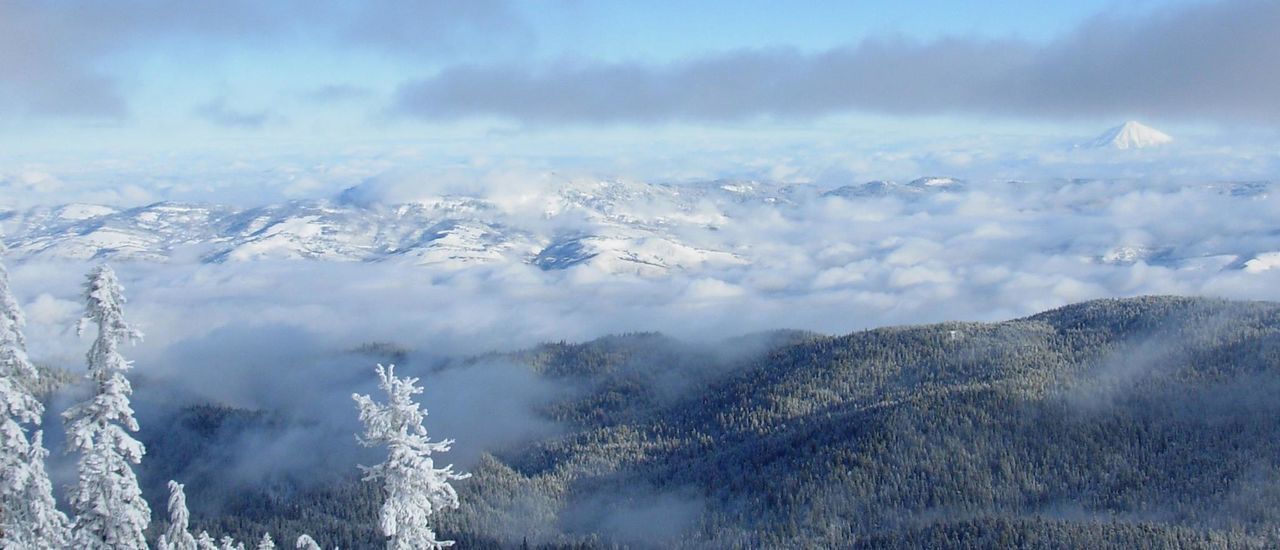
[[90, 79]]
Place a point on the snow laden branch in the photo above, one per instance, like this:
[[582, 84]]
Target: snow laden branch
[[29, 517], [110, 511], [413, 487]]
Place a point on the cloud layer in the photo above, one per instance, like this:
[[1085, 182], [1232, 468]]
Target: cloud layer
[[1211, 61], [77, 59]]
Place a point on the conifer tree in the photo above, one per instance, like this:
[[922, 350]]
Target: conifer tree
[[206, 542], [110, 511], [413, 488], [305, 542], [266, 543], [29, 517], [178, 535]]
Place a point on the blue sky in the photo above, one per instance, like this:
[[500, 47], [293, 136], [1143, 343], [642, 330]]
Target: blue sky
[[664, 30], [141, 74]]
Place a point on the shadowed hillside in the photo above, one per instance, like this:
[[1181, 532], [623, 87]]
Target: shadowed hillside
[[1141, 422]]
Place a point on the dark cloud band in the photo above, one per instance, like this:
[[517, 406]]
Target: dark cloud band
[[1216, 61]]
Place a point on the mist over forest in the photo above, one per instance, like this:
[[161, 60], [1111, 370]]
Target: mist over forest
[[1108, 423]]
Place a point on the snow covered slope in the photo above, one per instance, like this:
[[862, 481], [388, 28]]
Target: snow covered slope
[[612, 226]]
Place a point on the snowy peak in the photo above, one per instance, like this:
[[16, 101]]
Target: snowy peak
[[1130, 135]]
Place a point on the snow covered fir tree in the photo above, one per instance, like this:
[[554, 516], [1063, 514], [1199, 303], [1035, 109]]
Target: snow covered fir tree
[[29, 517], [110, 513], [177, 536], [413, 487]]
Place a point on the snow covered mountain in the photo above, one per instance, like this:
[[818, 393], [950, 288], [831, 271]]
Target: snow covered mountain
[[636, 228], [614, 226], [881, 188], [1130, 135]]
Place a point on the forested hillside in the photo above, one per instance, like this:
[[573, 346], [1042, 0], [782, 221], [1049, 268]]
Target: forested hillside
[[1147, 422]]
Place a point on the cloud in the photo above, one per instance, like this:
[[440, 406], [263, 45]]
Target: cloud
[[333, 93], [46, 67], [630, 514], [1209, 61], [218, 112], [31, 182], [50, 311], [76, 59]]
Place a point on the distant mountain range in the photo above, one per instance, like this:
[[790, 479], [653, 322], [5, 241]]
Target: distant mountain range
[[613, 225], [647, 229]]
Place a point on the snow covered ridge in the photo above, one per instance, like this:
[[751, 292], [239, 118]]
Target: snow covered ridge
[[652, 229], [1130, 135], [617, 226]]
